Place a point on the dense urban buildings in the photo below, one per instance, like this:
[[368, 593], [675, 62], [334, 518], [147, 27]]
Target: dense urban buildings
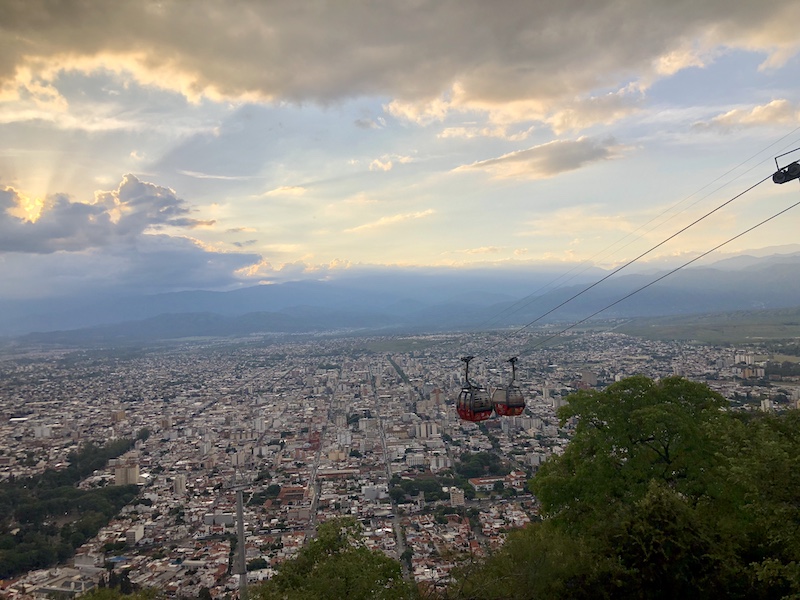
[[312, 428]]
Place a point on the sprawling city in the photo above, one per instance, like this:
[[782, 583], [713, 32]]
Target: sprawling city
[[399, 300], [310, 428]]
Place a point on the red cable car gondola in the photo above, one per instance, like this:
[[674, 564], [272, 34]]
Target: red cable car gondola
[[474, 403], [508, 400]]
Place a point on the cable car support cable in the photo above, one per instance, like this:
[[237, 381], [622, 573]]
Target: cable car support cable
[[675, 270], [629, 263], [530, 298], [475, 404]]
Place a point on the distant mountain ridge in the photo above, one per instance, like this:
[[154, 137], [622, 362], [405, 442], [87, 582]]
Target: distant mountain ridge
[[449, 300]]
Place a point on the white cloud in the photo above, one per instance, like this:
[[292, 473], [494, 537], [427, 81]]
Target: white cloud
[[777, 112], [682, 57], [594, 110], [547, 160], [360, 199], [579, 221], [154, 263], [483, 250], [199, 175], [286, 190], [61, 246], [370, 123], [265, 272], [393, 220], [60, 224], [379, 165], [478, 131]]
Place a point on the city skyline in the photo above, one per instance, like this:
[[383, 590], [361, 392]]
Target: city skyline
[[167, 146]]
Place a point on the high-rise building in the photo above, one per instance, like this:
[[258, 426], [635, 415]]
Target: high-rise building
[[126, 474], [437, 396], [426, 429], [439, 462], [367, 424], [42, 431], [456, 496], [134, 534], [415, 459], [179, 484]]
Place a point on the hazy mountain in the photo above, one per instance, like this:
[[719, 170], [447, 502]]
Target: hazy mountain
[[394, 293], [419, 301]]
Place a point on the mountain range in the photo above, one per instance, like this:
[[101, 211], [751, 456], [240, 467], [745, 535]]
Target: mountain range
[[410, 301]]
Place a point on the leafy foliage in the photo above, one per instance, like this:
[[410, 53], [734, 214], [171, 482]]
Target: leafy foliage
[[334, 565], [109, 593], [633, 432], [481, 464], [661, 493], [36, 505], [430, 486]]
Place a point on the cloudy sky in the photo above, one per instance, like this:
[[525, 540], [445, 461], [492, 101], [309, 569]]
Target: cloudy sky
[[203, 144]]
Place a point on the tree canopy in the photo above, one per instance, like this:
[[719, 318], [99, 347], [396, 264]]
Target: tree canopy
[[661, 493], [337, 564], [634, 432]]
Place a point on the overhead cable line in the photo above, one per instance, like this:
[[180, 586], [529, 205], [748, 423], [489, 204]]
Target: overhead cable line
[[530, 298], [630, 262], [675, 270]]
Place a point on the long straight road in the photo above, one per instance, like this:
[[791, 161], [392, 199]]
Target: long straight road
[[313, 484], [398, 528]]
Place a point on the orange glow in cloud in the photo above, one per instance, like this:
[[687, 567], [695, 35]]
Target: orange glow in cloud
[[28, 209]]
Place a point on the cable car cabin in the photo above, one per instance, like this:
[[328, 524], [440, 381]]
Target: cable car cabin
[[474, 403], [508, 400]]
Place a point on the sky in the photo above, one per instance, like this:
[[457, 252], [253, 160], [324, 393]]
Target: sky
[[158, 146]]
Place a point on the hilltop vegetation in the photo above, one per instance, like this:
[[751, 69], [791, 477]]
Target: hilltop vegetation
[[660, 494], [334, 565]]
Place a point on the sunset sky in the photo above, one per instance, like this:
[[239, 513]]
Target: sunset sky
[[157, 146]]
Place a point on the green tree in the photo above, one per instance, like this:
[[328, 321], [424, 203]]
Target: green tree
[[337, 564], [257, 563], [633, 432], [115, 594], [538, 562], [661, 493]]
